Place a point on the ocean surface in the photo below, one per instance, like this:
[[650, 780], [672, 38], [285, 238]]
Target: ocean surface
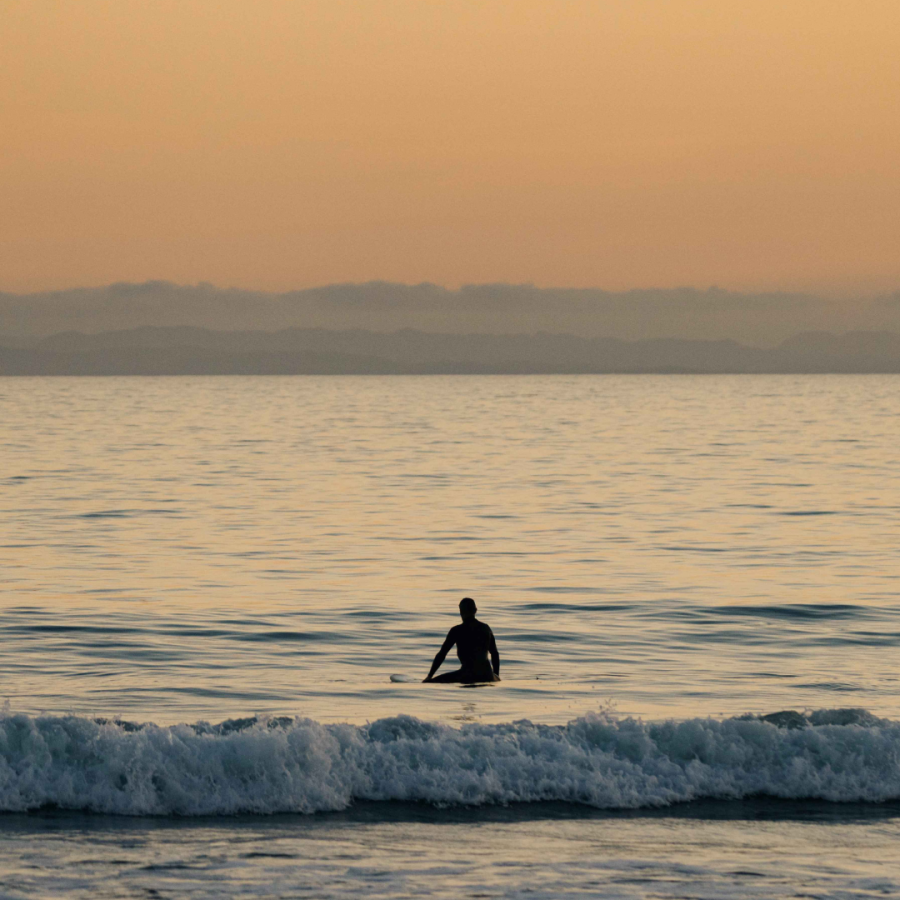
[[218, 598]]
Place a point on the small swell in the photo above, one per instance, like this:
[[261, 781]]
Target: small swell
[[791, 611]]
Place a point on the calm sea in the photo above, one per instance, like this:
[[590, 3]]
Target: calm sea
[[207, 584]]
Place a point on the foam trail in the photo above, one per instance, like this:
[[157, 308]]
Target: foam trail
[[298, 765]]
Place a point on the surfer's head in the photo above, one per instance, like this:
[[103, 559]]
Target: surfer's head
[[467, 608]]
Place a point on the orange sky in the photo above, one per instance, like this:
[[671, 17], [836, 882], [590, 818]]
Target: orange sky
[[613, 143]]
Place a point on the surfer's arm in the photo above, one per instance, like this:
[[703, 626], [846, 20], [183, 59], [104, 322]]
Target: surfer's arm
[[495, 657], [441, 654]]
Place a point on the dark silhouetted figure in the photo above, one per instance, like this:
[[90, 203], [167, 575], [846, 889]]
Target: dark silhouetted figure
[[474, 641]]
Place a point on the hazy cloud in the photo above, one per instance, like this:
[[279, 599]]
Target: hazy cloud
[[685, 313]]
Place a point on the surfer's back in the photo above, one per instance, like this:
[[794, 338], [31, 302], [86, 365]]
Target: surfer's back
[[473, 639]]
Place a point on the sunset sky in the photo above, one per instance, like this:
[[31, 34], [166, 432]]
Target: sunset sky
[[610, 143]]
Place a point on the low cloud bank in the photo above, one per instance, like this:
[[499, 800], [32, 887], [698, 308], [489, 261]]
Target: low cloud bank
[[761, 320]]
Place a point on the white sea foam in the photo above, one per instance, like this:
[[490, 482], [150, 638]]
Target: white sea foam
[[298, 765]]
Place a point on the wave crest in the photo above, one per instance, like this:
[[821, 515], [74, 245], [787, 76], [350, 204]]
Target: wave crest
[[299, 765]]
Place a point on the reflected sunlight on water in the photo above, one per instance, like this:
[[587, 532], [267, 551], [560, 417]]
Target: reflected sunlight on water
[[183, 548]]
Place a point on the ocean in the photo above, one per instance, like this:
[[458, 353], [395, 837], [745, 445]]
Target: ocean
[[218, 598]]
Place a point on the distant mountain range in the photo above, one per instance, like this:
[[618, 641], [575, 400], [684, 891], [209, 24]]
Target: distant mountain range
[[199, 351]]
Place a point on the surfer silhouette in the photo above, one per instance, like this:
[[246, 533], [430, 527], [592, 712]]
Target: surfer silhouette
[[474, 640]]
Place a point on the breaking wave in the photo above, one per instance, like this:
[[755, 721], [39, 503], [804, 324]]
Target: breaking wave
[[298, 765]]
